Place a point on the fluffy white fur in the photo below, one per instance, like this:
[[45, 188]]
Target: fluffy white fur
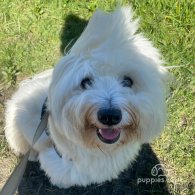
[[107, 50]]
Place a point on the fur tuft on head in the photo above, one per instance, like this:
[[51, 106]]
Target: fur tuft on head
[[103, 28]]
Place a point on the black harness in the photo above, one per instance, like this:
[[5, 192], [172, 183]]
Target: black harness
[[43, 111]]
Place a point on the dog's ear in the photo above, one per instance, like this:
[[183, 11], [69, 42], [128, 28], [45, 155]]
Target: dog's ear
[[103, 26], [151, 129]]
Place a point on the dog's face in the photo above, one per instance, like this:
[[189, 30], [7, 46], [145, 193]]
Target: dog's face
[[106, 104], [108, 91]]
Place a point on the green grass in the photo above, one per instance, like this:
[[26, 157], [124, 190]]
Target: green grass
[[32, 39]]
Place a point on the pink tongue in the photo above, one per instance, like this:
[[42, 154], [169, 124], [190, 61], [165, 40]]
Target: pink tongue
[[109, 133]]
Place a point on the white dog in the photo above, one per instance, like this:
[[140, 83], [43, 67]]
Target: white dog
[[105, 98]]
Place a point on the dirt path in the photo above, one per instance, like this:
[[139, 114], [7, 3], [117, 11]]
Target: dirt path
[[7, 159]]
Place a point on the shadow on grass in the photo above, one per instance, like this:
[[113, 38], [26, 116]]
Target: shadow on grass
[[131, 182], [71, 30], [35, 182]]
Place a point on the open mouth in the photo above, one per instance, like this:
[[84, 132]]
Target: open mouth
[[108, 135]]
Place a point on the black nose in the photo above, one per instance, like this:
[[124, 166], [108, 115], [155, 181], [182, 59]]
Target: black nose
[[111, 116]]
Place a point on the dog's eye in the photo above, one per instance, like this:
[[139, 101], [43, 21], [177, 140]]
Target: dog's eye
[[86, 82], [127, 82]]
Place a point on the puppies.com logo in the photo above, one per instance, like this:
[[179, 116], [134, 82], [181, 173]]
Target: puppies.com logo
[[158, 172]]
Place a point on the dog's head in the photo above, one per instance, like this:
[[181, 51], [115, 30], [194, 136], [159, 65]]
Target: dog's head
[[109, 90]]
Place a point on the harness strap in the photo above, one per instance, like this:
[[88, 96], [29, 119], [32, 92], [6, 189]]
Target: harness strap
[[44, 109], [14, 180]]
